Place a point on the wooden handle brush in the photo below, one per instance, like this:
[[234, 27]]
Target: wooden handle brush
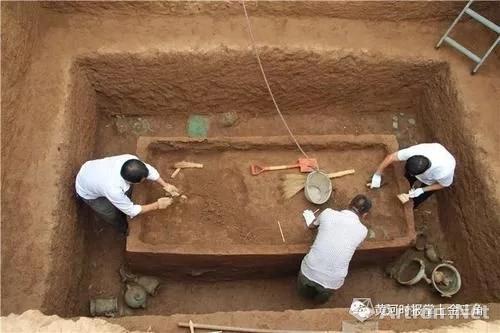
[[298, 176]]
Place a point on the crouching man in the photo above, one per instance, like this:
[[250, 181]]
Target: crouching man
[[429, 167], [325, 267], [105, 185]]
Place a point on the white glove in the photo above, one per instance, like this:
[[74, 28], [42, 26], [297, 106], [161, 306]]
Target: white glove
[[376, 180], [415, 192], [309, 216], [164, 202], [171, 190]]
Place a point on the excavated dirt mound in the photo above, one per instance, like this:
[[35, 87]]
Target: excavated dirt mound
[[32, 320], [35, 321]]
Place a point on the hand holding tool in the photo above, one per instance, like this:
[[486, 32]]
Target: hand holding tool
[[309, 217], [171, 190], [416, 192], [164, 202], [403, 197], [376, 181]]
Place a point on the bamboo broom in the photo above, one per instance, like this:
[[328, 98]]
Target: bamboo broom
[[292, 184]]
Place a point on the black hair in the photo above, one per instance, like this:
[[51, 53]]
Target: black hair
[[360, 204], [134, 171], [417, 165]]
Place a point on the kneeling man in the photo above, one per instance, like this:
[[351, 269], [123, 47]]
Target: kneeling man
[[105, 186], [325, 267]]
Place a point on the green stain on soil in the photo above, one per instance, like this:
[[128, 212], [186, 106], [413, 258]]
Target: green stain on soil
[[197, 126]]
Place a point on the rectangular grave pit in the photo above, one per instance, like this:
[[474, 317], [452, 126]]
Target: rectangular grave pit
[[228, 226]]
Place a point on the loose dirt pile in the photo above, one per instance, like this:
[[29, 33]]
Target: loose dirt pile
[[35, 321]]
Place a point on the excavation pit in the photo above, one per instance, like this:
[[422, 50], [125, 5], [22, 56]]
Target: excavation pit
[[73, 69], [228, 226]]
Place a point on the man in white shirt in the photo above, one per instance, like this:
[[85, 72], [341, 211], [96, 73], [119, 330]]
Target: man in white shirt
[[427, 164], [340, 233], [105, 186]]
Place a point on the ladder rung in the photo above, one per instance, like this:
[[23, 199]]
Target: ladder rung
[[483, 20], [462, 49]]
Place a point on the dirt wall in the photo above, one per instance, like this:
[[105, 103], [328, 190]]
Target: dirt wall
[[226, 79], [68, 246], [41, 245], [21, 29], [363, 10], [468, 210], [20, 32]]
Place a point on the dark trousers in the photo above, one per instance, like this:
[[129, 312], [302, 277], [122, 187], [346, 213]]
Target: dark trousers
[[312, 290], [107, 212], [421, 198]]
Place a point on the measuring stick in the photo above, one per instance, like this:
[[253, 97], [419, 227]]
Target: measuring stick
[[245, 329], [281, 231]]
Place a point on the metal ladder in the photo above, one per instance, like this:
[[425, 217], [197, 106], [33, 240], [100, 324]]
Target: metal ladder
[[460, 48]]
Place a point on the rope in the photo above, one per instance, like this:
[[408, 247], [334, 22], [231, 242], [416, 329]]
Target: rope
[[267, 83]]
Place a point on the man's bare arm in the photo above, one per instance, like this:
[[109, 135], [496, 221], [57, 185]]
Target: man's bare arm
[[377, 177], [388, 160], [433, 187], [161, 203], [149, 207], [161, 182]]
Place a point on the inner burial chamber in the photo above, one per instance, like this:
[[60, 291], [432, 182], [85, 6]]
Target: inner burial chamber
[[229, 222], [226, 203]]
